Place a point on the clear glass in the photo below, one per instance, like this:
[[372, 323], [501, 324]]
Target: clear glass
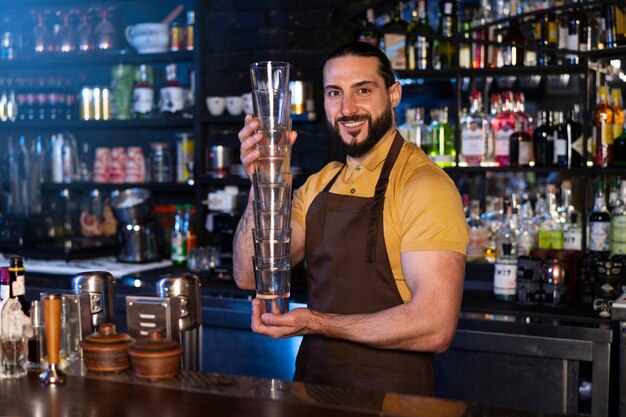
[[270, 75]]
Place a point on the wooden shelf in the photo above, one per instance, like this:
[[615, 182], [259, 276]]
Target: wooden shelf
[[30, 125]]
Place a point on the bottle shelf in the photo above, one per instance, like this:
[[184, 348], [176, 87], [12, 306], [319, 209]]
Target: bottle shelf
[[492, 72], [31, 125], [92, 59], [173, 188], [539, 170]]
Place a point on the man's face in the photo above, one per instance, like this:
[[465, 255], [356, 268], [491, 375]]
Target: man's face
[[359, 108]]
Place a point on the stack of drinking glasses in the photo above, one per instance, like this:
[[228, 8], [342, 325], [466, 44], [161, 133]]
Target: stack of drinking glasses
[[272, 185]]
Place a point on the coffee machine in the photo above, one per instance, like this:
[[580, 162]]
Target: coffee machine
[[135, 230]]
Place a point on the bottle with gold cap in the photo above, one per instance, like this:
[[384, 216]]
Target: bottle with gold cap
[[603, 129]]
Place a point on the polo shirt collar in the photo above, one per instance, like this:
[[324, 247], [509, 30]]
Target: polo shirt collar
[[375, 157]]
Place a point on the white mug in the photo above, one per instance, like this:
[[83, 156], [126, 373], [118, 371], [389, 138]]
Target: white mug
[[234, 105], [248, 105], [148, 38], [216, 105]]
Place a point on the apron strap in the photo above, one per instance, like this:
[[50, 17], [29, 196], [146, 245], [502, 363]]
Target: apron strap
[[379, 198]]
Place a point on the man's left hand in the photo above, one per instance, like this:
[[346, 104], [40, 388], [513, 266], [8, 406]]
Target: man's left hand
[[293, 323]]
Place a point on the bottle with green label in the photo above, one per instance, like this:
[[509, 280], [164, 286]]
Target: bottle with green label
[[179, 238], [550, 234], [618, 223], [599, 222]]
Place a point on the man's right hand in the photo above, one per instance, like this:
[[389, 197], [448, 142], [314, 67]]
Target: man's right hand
[[248, 139]]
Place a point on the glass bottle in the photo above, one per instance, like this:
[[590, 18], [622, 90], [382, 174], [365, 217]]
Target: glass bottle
[[105, 33], [143, 93], [179, 238], [613, 193], [16, 310], [481, 52], [520, 147], [406, 128], [66, 34], [503, 124], [19, 171], [527, 235], [512, 50], [420, 47], [42, 35], [577, 34], [619, 150], [84, 31], [160, 163], [543, 140], [493, 218], [422, 138], [448, 27], [618, 223], [562, 148], [474, 133], [550, 234], [368, 31], [395, 39], [603, 129], [547, 36], [478, 234], [442, 139], [171, 96], [618, 112], [191, 238], [505, 271], [599, 222], [571, 133], [189, 30]]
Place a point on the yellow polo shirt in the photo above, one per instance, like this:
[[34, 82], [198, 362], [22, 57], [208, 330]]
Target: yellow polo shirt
[[423, 209]]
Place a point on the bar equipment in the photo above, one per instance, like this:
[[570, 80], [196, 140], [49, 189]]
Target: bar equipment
[[99, 285], [135, 231], [272, 185], [175, 311], [52, 318]]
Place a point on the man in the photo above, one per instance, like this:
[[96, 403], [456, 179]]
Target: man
[[384, 237]]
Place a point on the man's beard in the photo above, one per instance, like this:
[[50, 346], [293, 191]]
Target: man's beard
[[377, 129]]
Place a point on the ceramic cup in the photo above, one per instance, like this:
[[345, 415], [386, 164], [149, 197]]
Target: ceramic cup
[[216, 105], [248, 104], [148, 38], [234, 105]]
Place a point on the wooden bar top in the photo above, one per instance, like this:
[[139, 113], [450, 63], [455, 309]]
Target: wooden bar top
[[201, 394]]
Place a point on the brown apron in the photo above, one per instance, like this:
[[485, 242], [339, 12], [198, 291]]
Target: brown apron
[[349, 273]]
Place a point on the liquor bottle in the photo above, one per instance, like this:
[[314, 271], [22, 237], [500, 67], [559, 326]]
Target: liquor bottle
[[618, 223], [577, 34], [599, 222], [474, 133], [570, 218], [143, 94], [420, 47], [618, 112], [442, 139], [465, 46], [189, 30], [543, 140], [448, 27], [603, 129], [179, 238], [562, 148], [520, 147], [368, 32], [570, 132], [550, 234], [422, 137], [546, 35], [478, 234], [512, 50], [527, 235], [613, 199], [505, 271], [5, 285], [395, 40], [503, 124], [493, 218], [15, 310], [171, 96], [482, 52], [189, 229], [406, 128], [619, 150], [519, 108]]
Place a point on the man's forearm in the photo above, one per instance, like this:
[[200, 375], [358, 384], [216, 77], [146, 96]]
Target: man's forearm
[[243, 249]]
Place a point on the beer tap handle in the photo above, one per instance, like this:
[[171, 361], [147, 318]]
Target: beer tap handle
[[52, 318]]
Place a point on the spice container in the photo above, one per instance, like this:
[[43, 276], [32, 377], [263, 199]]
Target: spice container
[[106, 350], [155, 358]]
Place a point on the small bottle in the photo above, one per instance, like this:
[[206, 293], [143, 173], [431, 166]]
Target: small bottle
[[551, 230], [368, 33], [618, 223], [505, 273], [179, 238], [15, 310], [171, 96], [479, 235], [603, 129], [420, 47], [395, 39], [599, 222], [572, 229], [191, 238], [143, 94], [442, 151], [189, 30]]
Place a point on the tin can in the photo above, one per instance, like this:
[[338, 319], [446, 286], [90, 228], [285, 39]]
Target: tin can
[[117, 172], [189, 30], [135, 165], [86, 103], [101, 165], [177, 38], [184, 158]]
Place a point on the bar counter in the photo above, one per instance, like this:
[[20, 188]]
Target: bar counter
[[200, 394]]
